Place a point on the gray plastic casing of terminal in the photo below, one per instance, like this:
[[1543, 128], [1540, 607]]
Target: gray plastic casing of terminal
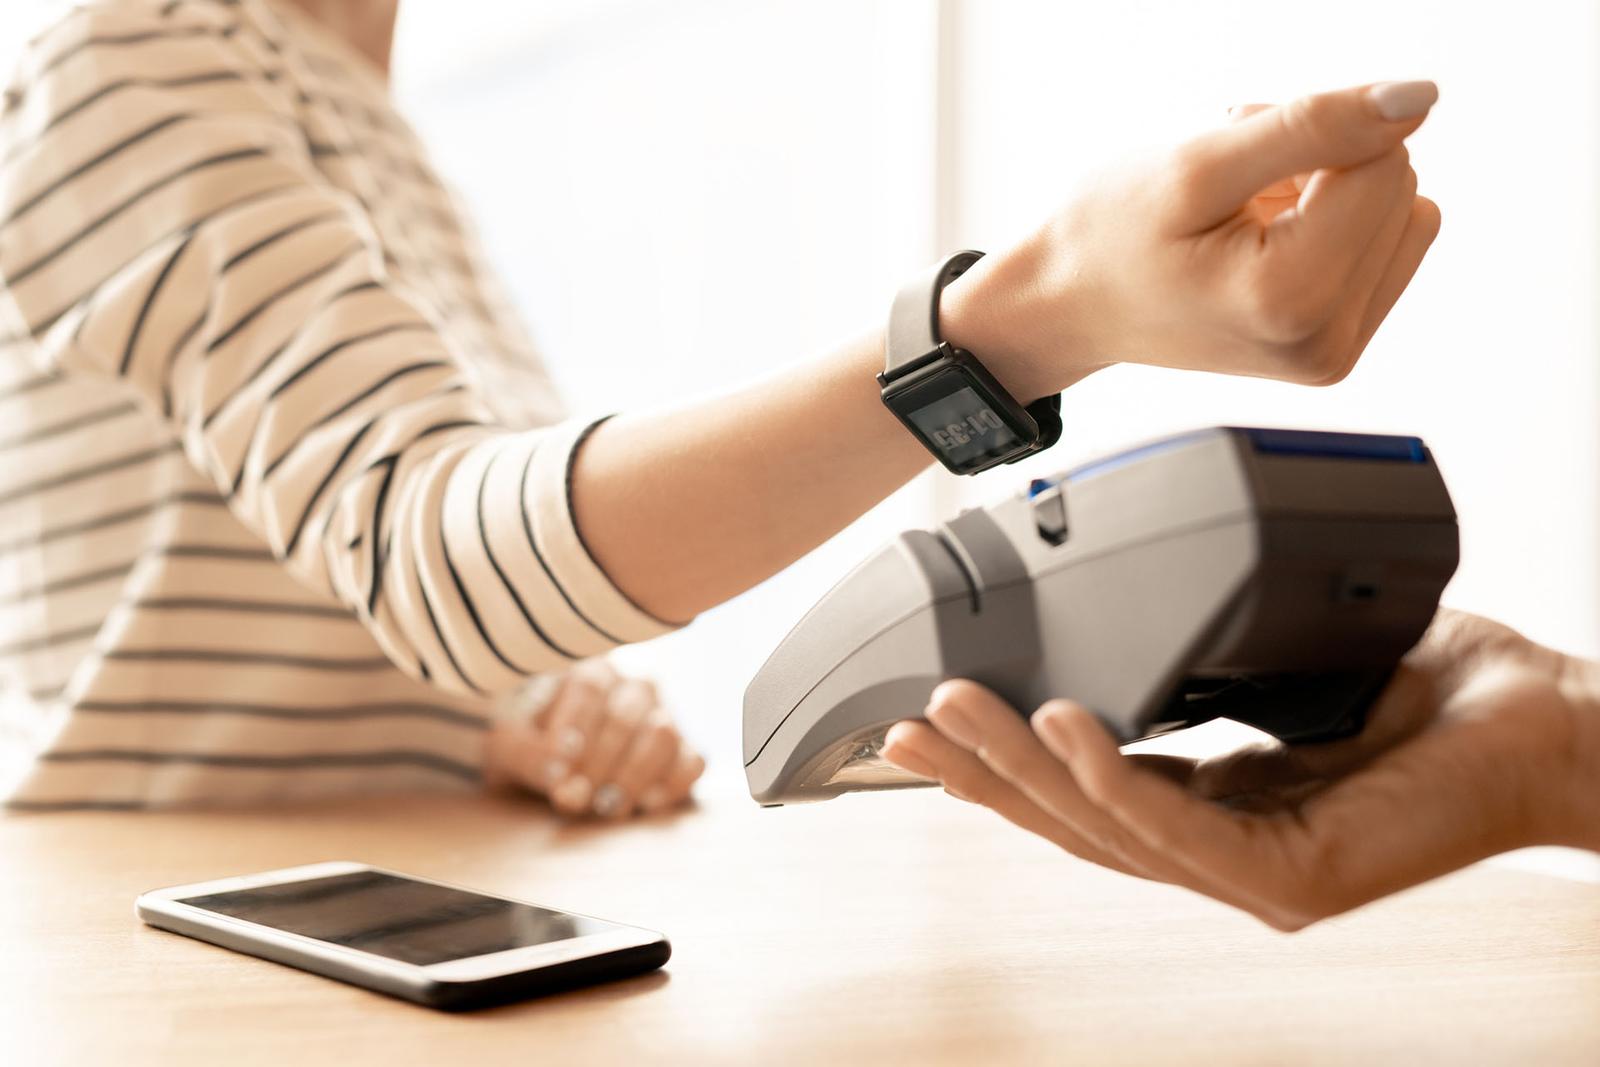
[[1217, 574]]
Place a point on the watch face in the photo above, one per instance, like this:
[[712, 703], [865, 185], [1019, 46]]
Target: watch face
[[959, 422]]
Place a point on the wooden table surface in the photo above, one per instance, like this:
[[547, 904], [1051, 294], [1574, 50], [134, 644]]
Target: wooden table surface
[[883, 929]]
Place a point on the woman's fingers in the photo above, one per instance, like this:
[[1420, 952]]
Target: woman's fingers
[[645, 766], [674, 788], [1421, 229], [628, 707], [1307, 257], [1281, 194], [1218, 173], [572, 724]]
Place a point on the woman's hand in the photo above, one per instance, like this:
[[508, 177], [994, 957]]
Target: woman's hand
[[599, 744], [1483, 742], [1272, 247]]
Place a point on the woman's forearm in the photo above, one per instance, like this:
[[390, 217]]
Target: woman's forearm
[[689, 507]]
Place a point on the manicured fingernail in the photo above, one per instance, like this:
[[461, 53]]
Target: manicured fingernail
[[573, 794], [1398, 101], [556, 771], [570, 743], [901, 755], [955, 725], [653, 799], [608, 800], [1052, 725]]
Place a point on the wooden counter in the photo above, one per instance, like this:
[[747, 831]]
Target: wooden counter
[[886, 929]]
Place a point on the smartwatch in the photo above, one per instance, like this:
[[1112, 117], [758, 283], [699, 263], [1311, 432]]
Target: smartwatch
[[945, 397]]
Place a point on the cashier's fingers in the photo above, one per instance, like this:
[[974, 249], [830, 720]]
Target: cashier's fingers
[[1245, 860], [921, 749], [991, 729]]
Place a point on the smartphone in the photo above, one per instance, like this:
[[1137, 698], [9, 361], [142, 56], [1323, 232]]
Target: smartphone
[[424, 941]]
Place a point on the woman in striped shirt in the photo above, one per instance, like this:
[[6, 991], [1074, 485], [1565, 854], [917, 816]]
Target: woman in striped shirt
[[289, 507]]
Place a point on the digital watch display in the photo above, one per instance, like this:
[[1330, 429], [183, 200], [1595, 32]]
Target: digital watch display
[[946, 397]]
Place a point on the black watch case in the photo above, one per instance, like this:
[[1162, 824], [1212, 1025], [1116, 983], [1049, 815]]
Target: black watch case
[[954, 406]]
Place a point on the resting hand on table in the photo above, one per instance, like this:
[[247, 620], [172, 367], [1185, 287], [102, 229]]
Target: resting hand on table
[[1273, 246], [1483, 742], [601, 744]]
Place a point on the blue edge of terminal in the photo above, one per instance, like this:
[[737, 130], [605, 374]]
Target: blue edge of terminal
[[1313, 443]]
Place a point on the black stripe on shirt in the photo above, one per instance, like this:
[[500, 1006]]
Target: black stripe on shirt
[[105, 155], [119, 570], [186, 231], [46, 258], [483, 536], [301, 761], [449, 654], [386, 380], [58, 481], [109, 519], [112, 88], [278, 235], [61, 637], [472, 609], [271, 360], [75, 581], [266, 303], [533, 546], [58, 806], [77, 422], [380, 543], [293, 713], [229, 605], [150, 299], [344, 454], [117, 40], [28, 385], [353, 664]]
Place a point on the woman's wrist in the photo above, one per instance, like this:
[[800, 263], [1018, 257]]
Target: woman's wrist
[[1029, 329]]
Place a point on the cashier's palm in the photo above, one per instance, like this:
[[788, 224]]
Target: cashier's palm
[[1467, 754]]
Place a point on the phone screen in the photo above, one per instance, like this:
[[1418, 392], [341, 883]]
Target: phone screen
[[401, 919]]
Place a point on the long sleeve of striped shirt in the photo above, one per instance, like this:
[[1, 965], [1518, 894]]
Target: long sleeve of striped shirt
[[168, 221]]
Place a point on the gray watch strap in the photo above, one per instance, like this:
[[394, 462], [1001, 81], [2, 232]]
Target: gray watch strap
[[914, 317]]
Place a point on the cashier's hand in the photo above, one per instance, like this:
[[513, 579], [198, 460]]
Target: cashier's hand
[[1483, 742], [593, 743], [1272, 246]]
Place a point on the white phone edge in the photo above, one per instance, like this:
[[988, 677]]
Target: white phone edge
[[156, 905]]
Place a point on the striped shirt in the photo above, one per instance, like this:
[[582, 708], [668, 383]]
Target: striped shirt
[[283, 486]]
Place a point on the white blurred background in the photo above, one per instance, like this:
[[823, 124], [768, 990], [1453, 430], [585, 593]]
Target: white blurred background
[[686, 193]]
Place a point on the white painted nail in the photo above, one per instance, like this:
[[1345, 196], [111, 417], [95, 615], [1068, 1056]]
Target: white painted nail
[[1399, 101], [572, 794], [570, 743], [608, 800]]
